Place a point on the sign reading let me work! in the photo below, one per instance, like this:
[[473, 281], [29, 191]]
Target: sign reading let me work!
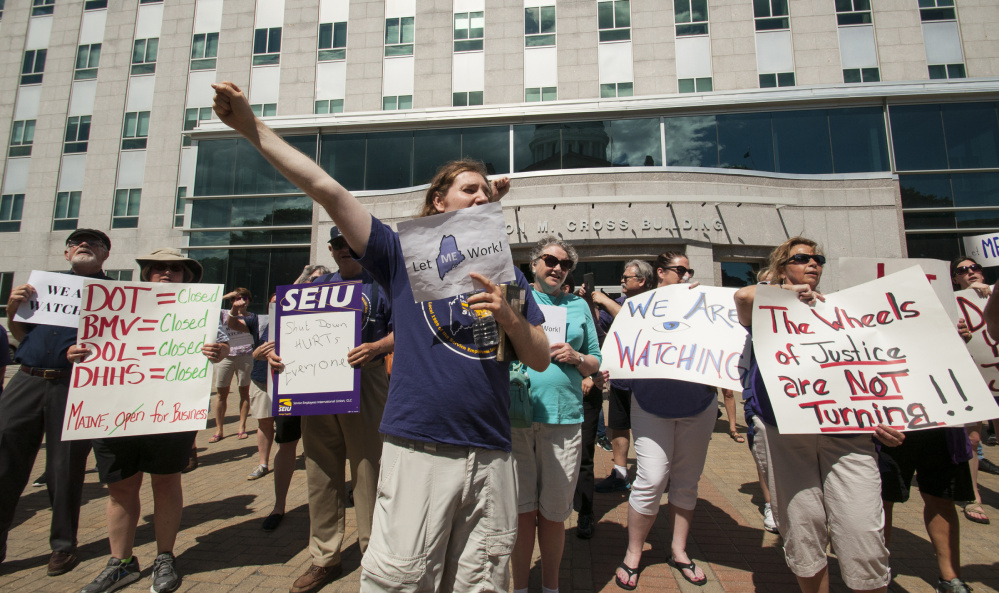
[[882, 352], [147, 374]]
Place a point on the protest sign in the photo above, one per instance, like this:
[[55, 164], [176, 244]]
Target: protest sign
[[854, 271], [556, 322], [984, 248], [147, 374], [983, 349], [441, 250], [315, 326], [56, 300], [678, 332], [882, 352]]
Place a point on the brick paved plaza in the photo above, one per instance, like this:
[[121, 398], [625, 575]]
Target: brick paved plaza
[[222, 548]]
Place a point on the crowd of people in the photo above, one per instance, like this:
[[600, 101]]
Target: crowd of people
[[448, 493]]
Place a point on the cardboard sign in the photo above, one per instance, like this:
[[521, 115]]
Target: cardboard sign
[[678, 332], [983, 349], [984, 248], [441, 251], [316, 325], [854, 271], [882, 352], [56, 300], [556, 323], [147, 374]]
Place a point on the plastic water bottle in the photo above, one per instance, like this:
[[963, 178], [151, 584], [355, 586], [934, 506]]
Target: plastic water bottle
[[485, 330]]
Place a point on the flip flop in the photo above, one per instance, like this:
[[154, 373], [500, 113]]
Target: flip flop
[[631, 572], [688, 566], [976, 508], [216, 438], [241, 435], [734, 434]]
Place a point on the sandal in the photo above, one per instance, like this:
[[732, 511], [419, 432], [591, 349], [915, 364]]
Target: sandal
[[216, 438], [631, 572], [241, 435], [736, 436], [688, 566], [976, 508]]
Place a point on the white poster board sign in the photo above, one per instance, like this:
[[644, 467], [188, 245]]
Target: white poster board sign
[[556, 322], [984, 248], [854, 271], [984, 350], [56, 300], [678, 332], [147, 374], [441, 251], [882, 352]]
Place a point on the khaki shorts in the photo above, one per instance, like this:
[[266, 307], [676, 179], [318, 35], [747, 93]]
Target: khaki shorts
[[260, 401], [235, 365], [546, 458]]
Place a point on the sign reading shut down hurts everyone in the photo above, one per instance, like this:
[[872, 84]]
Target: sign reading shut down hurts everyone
[[882, 352], [146, 373]]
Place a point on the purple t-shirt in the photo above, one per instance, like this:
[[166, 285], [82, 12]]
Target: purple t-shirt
[[443, 388]]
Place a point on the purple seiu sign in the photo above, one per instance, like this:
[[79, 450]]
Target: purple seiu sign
[[316, 326]]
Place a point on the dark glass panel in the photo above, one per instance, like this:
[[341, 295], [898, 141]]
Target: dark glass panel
[[210, 238], [585, 145], [433, 148], [285, 266], [926, 191], [342, 156], [254, 175], [252, 212], [858, 139], [291, 236], [490, 145], [977, 219], [928, 220], [306, 145], [250, 268], [917, 137], [975, 189], [691, 141], [292, 210], [801, 142], [537, 147], [211, 213], [972, 135], [945, 246], [738, 274], [636, 143], [213, 261], [216, 169], [391, 157], [745, 141]]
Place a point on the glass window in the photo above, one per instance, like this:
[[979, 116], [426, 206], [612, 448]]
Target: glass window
[[120, 275], [537, 147], [135, 130], [971, 131], [859, 141], [88, 58], [614, 20], [853, 75], [975, 189], [980, 220], [178, 207], [207, 214], [33, 66], [469, 98], [691, 17], [801, 142], [585, 144], [67, 210], [636, 143], [917, 137], [324, 106], [691, 141], [926, 191], [77, 134], [539, 26], [395, 160], [400, 102], [738, 274], [945, 246], [745, 141], [144, 55], [259, 270], [95, 4], [264, 109], [928, 220], [937, 10], [11, 206], [771, 15], [22, 136], [42, 7], [694, 85], [620, 89], [548, 93], [342, 156], [215, 172], [776, 80], [469, 30], [332, 41], [267, 46], [292, 210], [194, 115], [1, 14], [125, 213], [853, 12], [399, 36], [491, 145], [6, 278], [204, 51]]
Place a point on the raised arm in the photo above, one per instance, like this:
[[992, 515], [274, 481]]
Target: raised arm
[[350, 216], [991, 316], [744, 299]]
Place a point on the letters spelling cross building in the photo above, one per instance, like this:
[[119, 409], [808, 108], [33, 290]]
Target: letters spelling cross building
[[628, 126]]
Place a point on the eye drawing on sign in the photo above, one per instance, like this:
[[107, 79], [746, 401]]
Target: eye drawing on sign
[[449, 256], [668, 327]]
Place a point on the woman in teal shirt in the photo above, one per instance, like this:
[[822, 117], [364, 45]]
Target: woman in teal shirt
[[547, 455]]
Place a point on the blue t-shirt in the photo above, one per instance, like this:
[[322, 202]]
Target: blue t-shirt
[[557, 392], [376, 316], [670, 398], [443, 388]]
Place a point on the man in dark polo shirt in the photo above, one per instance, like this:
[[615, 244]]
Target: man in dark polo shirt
[[33, 405]]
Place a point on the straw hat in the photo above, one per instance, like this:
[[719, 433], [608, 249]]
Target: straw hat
[[169, 255]]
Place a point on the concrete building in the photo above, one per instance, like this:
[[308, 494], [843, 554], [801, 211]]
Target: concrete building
[[628, 126]]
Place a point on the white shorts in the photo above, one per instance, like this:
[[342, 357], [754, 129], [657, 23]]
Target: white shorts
[[238, 365], [260, 401]]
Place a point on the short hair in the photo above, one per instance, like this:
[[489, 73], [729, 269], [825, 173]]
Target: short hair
[[308, 271], [644, 270], [779, 256], [445, 177], [244, 292], [549, 240]]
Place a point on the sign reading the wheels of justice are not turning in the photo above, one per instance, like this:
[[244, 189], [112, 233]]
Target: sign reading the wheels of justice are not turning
[[146, 373], [882, 352]]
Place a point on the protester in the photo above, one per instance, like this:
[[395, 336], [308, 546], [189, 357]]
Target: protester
[[636, 279], [672, 422], [242, 327], [446, 515], [34, 404], [729, 400], [311, 272], [121, 462], [547, 454], [827, 489]]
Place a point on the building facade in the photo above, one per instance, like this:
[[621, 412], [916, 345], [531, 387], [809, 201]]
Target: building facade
[[718, 127]]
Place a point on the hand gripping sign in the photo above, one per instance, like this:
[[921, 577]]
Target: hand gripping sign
[[678, 332], [56, 300], [882, 352], [316, 326], [147, 374]]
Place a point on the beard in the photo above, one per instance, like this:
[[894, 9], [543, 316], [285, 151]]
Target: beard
[[84, 259]]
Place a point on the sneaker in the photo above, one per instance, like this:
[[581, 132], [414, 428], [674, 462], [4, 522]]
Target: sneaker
[[613, 483], [605, 443], [258, 472], [315, 578], [115, 575], [952, 586], [40, 481], [584, 526], [768, 519], [987, 466], [165, 577]]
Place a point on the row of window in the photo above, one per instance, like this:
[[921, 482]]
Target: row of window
[[135, 131], [125, 210]]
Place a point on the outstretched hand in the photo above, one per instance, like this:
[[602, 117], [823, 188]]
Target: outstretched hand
[[233, 108], [500, 188]]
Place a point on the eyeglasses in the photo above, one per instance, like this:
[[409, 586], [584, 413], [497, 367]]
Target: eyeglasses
[[551, 261], [680, 270], [625, 278], [804, 258], [968, 269], [95, 242]]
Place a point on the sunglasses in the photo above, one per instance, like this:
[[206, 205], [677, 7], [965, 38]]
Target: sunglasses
[[968, 269], [680, 270], [551, 261], [163, 267], [92, 242], [803, 258]]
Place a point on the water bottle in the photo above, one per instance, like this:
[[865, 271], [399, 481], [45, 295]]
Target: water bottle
[[485, 330]]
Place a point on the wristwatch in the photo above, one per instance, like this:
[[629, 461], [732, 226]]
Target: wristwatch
[[580, 358]]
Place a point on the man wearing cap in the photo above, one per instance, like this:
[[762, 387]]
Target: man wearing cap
[[330, 440], [33, 405]]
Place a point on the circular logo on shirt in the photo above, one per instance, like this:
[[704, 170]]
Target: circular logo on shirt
[[451, 321], [365, 310]]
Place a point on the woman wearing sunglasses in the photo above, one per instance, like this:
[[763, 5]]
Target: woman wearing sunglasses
[[826, 488], [672, 422], [547, 454]]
